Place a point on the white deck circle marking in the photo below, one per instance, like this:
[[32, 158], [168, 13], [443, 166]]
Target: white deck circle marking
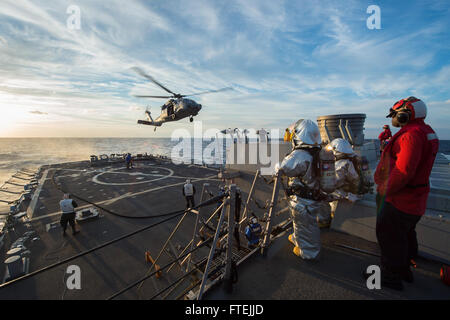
[[160, 177]]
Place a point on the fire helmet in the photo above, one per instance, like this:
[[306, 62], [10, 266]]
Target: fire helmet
[[340, 145], [306, 133]]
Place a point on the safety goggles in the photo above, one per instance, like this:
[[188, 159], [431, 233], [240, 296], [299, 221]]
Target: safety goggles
[[392, 113], [398, 105]]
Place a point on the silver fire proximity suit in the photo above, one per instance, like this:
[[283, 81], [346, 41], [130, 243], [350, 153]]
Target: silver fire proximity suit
[[347, 177], [299, 167]]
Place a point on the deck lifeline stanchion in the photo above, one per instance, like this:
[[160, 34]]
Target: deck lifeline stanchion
[[228, 278], [269, 222], [166, 243], [213, 249], [174, 285], [250, 194], [154, 272], [201, 229], [285, 225], [164, 246], [194, 237]]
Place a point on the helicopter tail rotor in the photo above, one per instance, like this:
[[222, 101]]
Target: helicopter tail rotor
[[149, 115]]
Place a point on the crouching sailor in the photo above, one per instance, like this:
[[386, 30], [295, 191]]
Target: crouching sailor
[[303, 168], [253, 232]]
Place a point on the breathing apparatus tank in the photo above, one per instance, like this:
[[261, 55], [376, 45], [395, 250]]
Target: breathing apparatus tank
[[327, 170]]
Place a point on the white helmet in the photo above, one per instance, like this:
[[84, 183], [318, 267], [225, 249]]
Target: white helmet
[[340, 145], [306, 133]]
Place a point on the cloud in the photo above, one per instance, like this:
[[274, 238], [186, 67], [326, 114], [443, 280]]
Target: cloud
[[136, 108], [38, 112], [284, 59]]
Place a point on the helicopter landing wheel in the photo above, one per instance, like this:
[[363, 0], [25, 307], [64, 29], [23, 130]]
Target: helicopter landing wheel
[[191, 119]]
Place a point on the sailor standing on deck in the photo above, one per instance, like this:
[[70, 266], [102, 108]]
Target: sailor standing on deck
[[68, 213], [402, 178], [384, 137], [305, 197], [129, 161], [347, 176], [189, 192]]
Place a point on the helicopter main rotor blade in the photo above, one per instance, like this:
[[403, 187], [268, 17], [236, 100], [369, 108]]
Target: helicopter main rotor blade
[[142, 73], [162, 97], [204, 92]]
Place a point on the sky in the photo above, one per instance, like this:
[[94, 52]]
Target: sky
[[285, 60]]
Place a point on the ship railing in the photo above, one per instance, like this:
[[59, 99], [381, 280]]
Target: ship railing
[[17, 189]]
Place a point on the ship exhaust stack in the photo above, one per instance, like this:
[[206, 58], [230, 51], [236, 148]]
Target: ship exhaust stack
[[346, 126]]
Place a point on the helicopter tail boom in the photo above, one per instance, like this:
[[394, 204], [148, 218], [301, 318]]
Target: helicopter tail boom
[[149, 123]]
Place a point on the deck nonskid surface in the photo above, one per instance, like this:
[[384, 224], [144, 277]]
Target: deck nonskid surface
[[110, 269], [153, 188]]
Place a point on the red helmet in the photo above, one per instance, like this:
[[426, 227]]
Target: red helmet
[[416, 108]]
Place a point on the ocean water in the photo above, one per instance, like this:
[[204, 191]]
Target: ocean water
[[31, 153]]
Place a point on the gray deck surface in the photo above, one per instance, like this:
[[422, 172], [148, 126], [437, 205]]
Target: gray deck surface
[[336, 275], [440, 175], [156, 189]]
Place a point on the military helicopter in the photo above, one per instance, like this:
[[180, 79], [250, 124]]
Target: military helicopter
[[176, 108]]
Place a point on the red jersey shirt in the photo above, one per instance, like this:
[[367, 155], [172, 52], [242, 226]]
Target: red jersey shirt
[[386, 134], [402, 174]]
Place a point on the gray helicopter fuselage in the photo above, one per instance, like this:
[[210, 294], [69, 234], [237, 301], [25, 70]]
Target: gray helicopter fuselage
[[176, 109]]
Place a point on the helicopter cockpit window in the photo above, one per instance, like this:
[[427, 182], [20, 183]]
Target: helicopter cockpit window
[[170, 109]]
